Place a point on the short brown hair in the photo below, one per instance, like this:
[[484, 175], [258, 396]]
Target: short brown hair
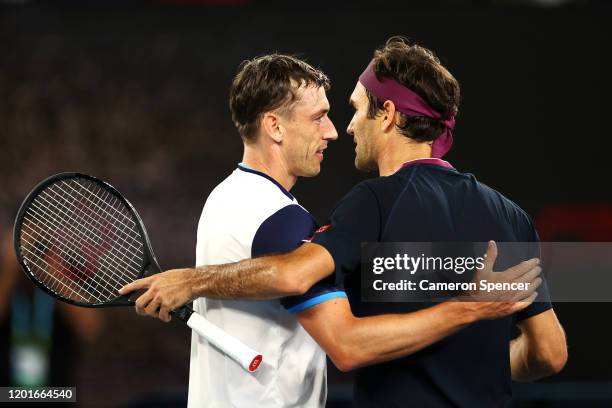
[[420, 70], [267, 83]]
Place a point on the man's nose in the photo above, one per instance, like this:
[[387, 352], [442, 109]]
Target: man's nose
[[349, 129], [331, 133]]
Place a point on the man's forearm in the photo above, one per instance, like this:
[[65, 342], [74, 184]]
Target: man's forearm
[[381, 338], [541, 348], [522, 366], [258, 278], [526, 363], [267, 277], [352, 342]]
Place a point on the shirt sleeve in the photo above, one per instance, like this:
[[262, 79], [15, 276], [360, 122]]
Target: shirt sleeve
[[354, 220], [542, 302], [284, 231]]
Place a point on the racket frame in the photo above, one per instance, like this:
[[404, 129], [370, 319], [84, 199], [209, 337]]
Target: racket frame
[[149, 267]]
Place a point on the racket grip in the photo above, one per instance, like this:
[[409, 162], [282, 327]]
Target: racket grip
[[248, 358]]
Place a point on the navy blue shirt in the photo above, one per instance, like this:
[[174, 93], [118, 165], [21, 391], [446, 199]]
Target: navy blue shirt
[[429, 201]]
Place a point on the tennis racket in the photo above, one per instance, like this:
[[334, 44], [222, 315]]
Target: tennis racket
[[80, 241]]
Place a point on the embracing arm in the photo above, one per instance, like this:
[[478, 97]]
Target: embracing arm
[[267, 277], [540, 350], [352, 342]]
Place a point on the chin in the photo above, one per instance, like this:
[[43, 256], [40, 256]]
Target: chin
[[311, 172]]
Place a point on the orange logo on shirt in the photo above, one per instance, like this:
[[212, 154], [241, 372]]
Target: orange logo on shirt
[[320, 230], [323, 229]]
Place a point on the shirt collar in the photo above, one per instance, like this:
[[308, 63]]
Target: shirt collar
[[244, 167], [428, 160]]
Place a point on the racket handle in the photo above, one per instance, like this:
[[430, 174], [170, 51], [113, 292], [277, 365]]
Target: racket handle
[[248, 358]]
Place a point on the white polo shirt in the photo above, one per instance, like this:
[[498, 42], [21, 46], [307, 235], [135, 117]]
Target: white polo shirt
[[250, 214]]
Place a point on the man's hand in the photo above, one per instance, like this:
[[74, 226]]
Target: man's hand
[[501, 303], [165, 292]]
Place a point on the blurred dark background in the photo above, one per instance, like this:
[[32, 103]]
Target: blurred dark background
[[136, 93]]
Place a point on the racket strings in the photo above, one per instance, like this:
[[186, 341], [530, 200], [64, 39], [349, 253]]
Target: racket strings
[[87, 223], [87, 235], [65, 248], [88, 250], [81, 241], [106, 212], [70, 254], [52, 280], [98, 226]]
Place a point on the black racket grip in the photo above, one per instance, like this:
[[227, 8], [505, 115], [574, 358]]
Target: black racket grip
[[183, 313], [133, 297]]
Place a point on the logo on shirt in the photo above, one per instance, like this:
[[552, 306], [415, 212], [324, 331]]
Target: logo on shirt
[[320, 230], [323, 229]]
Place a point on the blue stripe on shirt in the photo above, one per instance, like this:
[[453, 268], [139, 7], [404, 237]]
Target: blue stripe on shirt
[[315, 301]]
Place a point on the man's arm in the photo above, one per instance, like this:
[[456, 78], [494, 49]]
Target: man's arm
[[540, 350], [352, 342], [266, 277]]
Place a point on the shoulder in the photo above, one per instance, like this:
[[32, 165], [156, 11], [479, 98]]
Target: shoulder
[[373, 194], [249, 196], [363, 192], [506, 209], [249, 209], [283, 230], [507, 204], [289, 217]]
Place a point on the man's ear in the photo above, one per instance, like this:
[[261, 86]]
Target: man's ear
[[271, 126], [388, 116]]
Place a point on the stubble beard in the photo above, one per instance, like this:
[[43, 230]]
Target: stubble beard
[[311, 170], [364, 161]]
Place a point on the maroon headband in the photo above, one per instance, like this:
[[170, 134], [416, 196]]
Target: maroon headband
[[409, 103]]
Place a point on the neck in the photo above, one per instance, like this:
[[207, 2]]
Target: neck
[[268, 162], [397, 151]]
